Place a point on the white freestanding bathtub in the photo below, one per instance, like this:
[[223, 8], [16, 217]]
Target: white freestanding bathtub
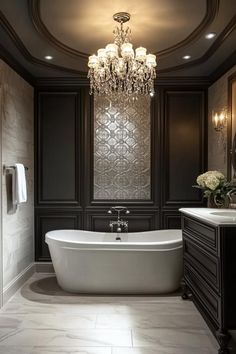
[[94, 262]]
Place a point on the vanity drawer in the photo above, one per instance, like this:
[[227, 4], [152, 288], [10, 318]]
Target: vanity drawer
[[201, 233], [204, 263], [207, 298]]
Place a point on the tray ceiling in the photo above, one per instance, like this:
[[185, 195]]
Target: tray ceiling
[[72, 30]]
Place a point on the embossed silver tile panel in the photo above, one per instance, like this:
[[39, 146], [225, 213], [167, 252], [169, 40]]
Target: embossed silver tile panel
[[122, 149]]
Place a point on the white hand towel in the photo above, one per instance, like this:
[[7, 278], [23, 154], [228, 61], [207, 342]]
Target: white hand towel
[[19, 190]]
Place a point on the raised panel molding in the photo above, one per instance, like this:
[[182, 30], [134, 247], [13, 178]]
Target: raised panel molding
[[161, 211], [139, 220], [155, 181], [58, 141], [183, 146], [52, 220], [171, 219], [122, 149]]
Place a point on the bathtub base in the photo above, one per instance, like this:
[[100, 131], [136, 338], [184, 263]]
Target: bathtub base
[[115, 272], [95, 263]]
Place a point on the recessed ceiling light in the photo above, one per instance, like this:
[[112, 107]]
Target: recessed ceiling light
[[210, 35], [186, 57], [48, 57]]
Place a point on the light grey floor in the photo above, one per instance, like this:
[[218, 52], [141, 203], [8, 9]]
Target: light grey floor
[[42, 319]]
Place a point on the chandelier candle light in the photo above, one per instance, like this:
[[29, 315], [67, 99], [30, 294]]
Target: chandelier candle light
[[117, 69]]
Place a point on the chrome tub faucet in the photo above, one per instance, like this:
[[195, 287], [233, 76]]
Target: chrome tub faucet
[[121, 225]]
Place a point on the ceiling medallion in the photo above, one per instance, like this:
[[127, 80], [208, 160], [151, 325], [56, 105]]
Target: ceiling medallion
[[116, 69]]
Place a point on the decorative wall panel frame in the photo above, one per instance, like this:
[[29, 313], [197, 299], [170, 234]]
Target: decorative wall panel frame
[[99, 219], [76, 201], [122, 149], [155, 153], [171, 219], [57, 218], [86, 213], [166, 201]]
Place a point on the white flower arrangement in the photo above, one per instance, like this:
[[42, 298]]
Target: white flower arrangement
[[214, 184]]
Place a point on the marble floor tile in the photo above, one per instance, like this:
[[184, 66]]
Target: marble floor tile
[[161, 350], [15, 350], [176, 338], [43, 319], [150, 321], [67, 350], [7, 321], [59, 337], [55, 321], [50, 350]]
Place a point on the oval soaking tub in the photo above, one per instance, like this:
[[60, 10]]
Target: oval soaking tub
[[94, 262]]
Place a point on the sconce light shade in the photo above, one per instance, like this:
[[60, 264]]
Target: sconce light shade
[[219, 120]]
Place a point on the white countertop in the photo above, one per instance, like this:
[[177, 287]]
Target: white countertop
[[212, 216]]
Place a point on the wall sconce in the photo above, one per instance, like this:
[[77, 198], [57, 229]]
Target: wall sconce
[[219, 120]]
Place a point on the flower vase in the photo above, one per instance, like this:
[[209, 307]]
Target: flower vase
[[211, 202]]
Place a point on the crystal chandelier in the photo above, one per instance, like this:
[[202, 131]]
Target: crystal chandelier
[[117, 70]]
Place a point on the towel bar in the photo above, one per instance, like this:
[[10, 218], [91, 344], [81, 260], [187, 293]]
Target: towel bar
[[12, 168]]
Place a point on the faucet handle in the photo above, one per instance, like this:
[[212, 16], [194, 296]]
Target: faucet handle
[[127, 212], [109, 211]]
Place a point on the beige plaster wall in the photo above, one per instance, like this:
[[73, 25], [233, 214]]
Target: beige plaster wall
[[17, 144]]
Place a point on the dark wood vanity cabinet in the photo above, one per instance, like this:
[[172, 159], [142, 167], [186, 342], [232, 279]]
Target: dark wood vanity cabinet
[[210, 274]]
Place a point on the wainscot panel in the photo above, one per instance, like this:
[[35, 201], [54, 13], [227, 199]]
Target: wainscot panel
[[138, 220], [171, 219], [52, 220]]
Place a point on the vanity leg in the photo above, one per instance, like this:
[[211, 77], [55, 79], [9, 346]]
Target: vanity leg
[[223, 338]]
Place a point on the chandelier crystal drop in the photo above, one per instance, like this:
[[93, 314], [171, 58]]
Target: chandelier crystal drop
[[117, 69]]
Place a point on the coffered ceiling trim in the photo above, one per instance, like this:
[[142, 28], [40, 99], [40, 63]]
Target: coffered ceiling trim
[[212, 7], [231, 26], [27, 55], [35, 61]]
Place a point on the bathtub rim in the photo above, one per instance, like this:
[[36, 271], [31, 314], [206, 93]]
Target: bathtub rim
[[169, 245]]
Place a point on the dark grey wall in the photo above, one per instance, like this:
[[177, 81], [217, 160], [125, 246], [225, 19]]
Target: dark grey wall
[[64, 162]]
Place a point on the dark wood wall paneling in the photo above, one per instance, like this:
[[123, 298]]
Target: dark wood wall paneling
[[64, 162]]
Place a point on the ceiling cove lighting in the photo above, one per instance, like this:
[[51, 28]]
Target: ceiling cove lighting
[[210, 35], [48, 57], [118, 69]]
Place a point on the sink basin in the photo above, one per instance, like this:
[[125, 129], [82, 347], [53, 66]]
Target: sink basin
[[226, 214]]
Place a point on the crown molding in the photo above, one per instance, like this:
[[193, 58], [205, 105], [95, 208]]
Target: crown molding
[[223, 68], [16, 66], [160, 81], [27, 55], [231, 26], [40, 27], [61, 82]]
